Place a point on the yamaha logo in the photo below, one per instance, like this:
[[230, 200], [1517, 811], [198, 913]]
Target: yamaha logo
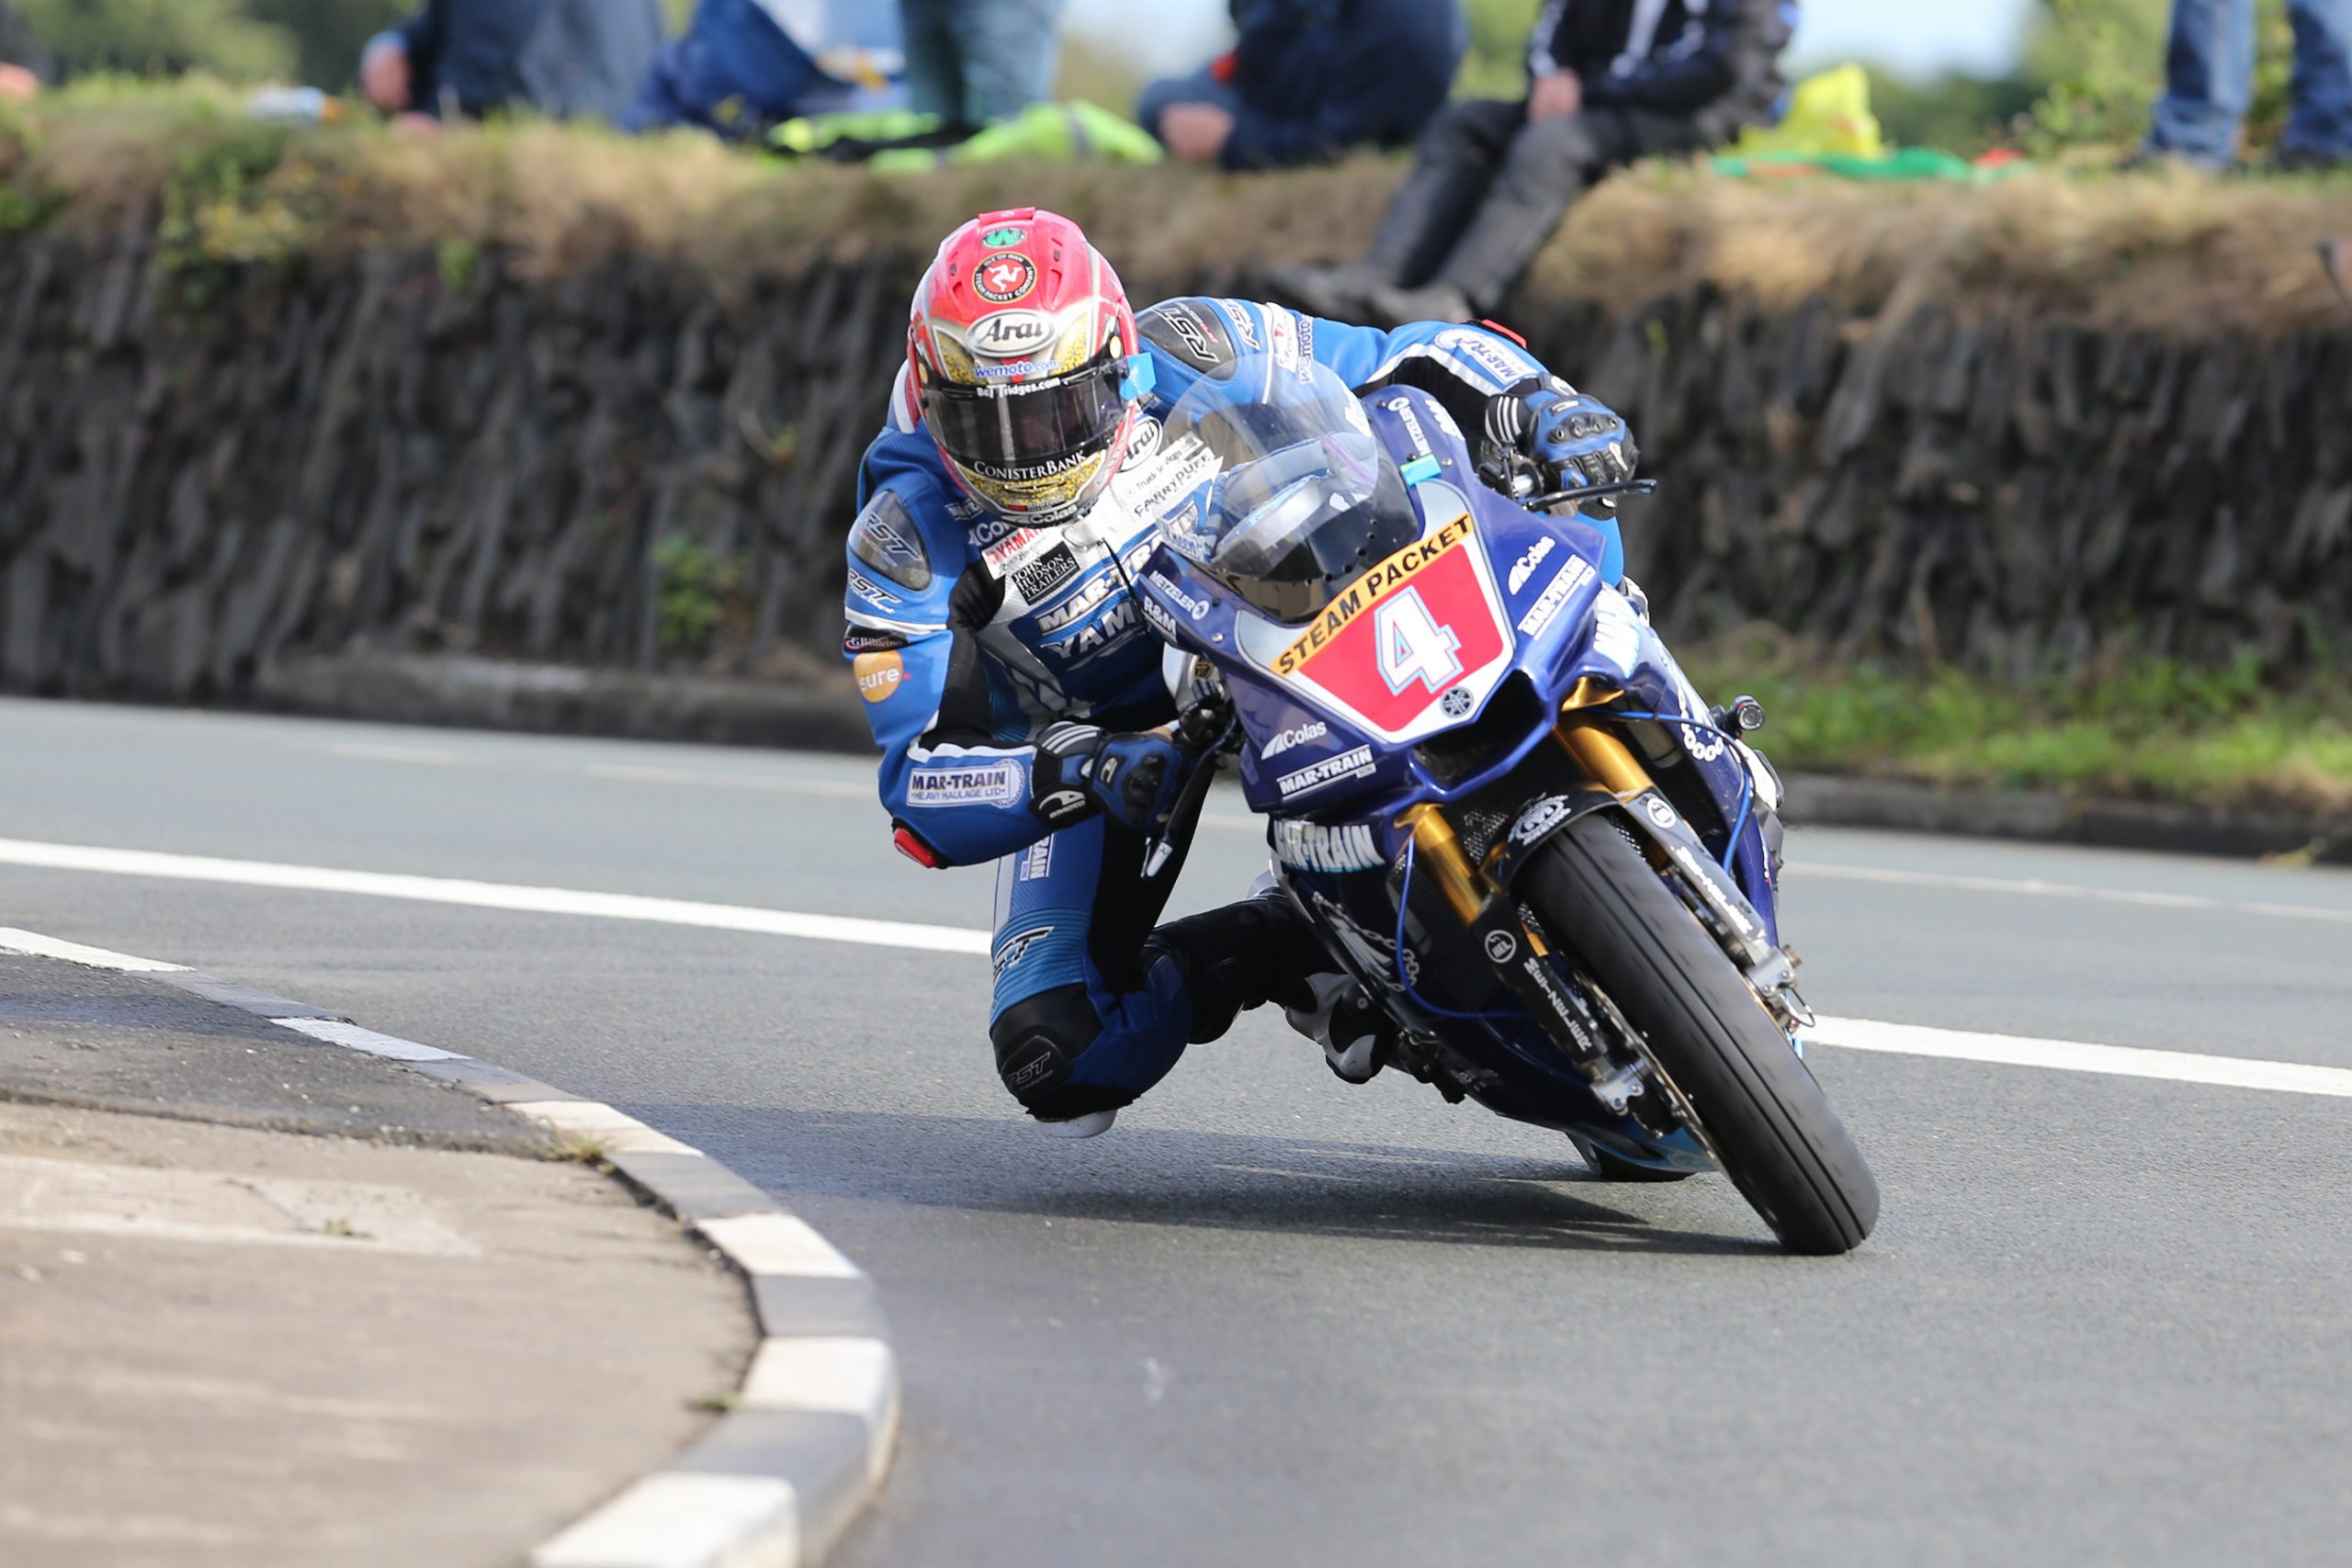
[[1457, 703]]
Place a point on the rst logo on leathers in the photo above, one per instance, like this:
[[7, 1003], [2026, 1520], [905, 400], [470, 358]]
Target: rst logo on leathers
[[1014, 947]]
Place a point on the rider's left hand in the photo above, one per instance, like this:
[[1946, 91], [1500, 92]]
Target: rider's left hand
[[1134, 778], [1577, 440]]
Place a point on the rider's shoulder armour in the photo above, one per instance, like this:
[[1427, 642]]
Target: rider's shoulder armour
[[1188, 330]]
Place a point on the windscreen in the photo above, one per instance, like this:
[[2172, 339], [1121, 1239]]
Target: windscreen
[[1304, 500]]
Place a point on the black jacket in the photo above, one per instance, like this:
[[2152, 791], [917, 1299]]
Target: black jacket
[[469, 51], [1673, 56]]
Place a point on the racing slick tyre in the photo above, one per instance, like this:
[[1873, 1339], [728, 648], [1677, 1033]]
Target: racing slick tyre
[[1756, 1102]]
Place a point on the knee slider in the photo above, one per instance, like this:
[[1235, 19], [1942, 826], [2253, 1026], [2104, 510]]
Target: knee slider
[[1038, 1039]]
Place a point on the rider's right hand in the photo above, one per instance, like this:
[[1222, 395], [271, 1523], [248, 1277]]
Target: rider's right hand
[[1133, 778]]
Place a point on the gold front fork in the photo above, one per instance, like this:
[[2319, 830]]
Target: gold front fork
[[1606, 760]]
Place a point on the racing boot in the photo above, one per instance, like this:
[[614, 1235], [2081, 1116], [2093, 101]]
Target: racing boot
[[1260, 949], [1358, 1039]]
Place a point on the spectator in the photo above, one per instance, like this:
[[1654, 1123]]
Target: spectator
[[744, 66], [1307, 80], [2209, 84], [471, 57], [974, 62], [1612, 80], [22, 63]]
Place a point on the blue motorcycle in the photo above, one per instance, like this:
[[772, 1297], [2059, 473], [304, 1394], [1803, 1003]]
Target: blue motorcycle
[[1538, 859]]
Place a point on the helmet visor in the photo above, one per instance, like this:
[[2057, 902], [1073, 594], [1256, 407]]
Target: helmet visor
[[1019, 434]]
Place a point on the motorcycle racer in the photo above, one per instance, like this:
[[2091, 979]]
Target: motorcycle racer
[[1010, 679]]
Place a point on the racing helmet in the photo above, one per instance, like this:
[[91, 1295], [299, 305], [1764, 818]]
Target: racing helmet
[[1023, 357]]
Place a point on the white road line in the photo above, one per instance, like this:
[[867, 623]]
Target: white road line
[[1857, 1034], [35, 945], [2079, 1056], [495, 896], [2033, 889], [370, 752]]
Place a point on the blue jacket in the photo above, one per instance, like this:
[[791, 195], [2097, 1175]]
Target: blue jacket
[[1318, 77], [968, 635], [735, 71]]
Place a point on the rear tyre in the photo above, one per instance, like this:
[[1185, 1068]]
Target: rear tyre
[[1777, 1139]]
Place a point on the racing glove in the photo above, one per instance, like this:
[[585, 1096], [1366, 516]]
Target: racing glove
[[1568, 438], [1132, 778]]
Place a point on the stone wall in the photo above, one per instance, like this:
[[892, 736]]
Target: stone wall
[[628, 465]]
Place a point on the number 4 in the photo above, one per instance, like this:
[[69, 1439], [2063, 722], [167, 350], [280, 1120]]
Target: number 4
[[1413, 647]]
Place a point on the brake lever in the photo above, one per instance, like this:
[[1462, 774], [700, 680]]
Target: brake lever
[[1202, 731], [1590, 493]]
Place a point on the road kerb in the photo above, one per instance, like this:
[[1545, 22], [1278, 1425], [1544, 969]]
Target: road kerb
[[777, 1480]]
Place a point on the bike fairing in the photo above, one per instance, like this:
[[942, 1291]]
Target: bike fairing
[[976, 634], [1014, 628]]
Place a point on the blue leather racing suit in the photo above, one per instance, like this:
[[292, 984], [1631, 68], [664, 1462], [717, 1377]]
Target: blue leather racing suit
[[969, 636]]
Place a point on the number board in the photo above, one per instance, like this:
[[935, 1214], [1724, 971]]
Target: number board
[[1406, 633]]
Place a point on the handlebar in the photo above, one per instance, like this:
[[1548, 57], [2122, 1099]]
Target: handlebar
[[1590, 493]]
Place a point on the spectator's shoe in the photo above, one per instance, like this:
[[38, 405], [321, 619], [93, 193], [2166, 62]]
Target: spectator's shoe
[[1339, 293], [1438, 301]]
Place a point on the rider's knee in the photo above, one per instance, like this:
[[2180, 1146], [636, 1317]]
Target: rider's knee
[[1038, 1040]]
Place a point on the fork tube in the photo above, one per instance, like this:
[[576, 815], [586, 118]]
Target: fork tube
[[1604, 758], [1436, 846]]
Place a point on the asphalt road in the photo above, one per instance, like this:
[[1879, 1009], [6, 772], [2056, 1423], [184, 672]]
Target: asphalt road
[[1274, 1319]]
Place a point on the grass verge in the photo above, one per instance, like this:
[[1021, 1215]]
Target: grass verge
[[2151, 731]]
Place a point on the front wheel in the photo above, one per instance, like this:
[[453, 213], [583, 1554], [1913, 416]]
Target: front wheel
[[1756, 1103]]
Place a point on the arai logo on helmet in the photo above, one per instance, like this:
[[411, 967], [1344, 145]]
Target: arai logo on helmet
[[1001, 279], [1009, 334]]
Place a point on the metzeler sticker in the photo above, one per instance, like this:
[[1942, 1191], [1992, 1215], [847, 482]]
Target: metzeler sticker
[[1367, 590], [994, 784], [878, 676], [1310, 846], [1573, 576], [1329, 771]]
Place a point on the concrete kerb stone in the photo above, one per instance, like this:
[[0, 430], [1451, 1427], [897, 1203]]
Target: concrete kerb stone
[[779, 1478]]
